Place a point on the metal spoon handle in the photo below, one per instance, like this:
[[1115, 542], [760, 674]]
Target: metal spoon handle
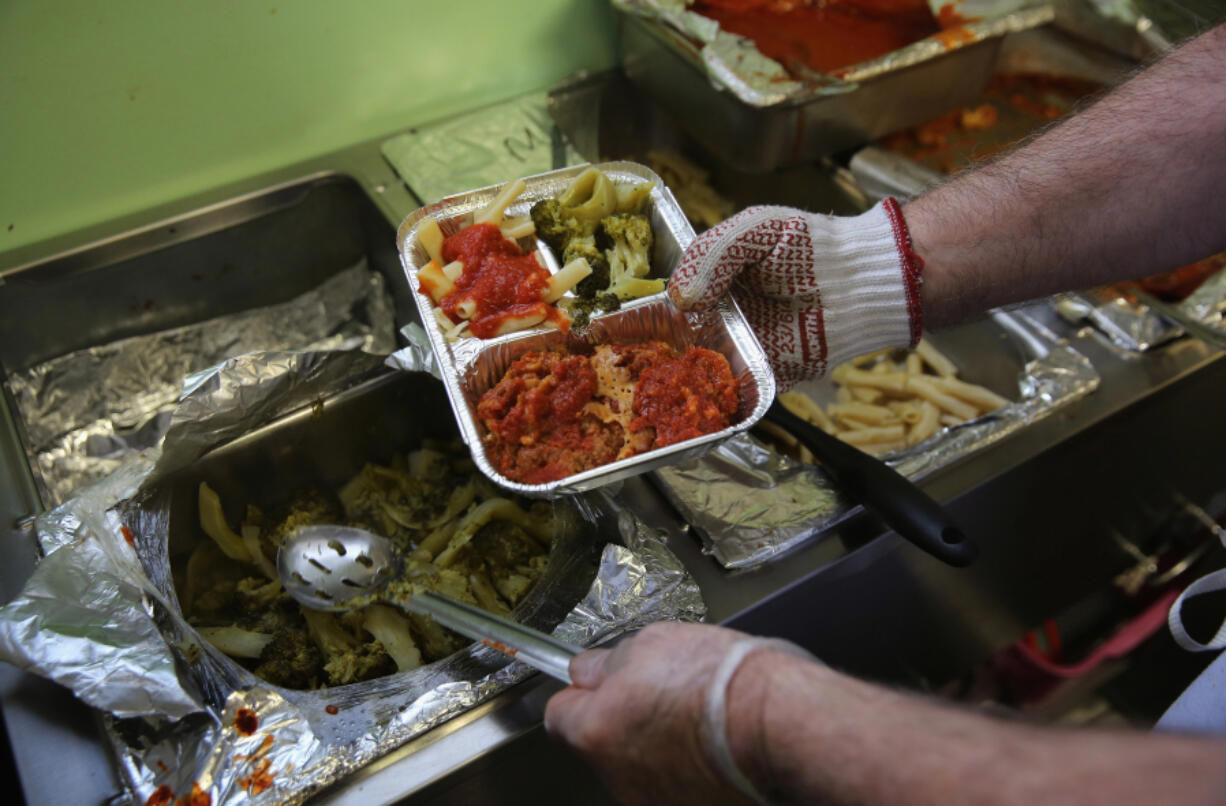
[[1195, 329], [537, 649]]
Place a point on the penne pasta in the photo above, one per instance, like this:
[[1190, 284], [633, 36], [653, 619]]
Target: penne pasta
[[431, 239], [434, 282], [893, 383], [453, 270], [495, 210], [514, 324], [935, 359], [925, 388], [865, 395], [884, 405], [862, 412], [983, 399], [869, 436], [927, 424], [806, 408], [881, 448], [567, 278], [516, 228]]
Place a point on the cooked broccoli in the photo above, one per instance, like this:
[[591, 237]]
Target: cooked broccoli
[[582, 308], [348, 658], [398, 504], [215, 601], [503, 544], [626, 240], [291, 660], [256, 594], [436, 641], [306, 508], [554, 225], [365, 662], [585, 248], [509, 551]]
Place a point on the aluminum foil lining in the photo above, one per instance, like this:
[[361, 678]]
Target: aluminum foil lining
[[1133, 326], [751, 505], [470, 366], [88, 412], [735, 63], [99, 615]]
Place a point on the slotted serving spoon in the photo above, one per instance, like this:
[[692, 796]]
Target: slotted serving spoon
[[327, 567]]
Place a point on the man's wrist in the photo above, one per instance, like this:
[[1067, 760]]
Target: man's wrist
[[750, 732]]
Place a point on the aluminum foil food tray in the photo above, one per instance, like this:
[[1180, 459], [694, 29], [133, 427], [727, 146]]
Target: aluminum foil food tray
[[749, 111], [470, 366]]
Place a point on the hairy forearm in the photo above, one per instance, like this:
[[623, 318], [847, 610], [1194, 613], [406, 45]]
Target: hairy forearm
[[807, 734], [1125, 188]]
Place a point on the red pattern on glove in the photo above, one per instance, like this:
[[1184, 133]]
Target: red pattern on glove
[[768, 259]]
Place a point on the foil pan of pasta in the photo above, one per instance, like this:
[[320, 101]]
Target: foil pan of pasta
[[564, 361], [157, 602], [758, 496]]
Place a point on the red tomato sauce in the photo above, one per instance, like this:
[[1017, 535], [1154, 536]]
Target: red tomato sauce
[[535, 417], [498, 277], [197, 797], [827, 36], [246, 721], [543, 427], [162, 796], [687, 397]]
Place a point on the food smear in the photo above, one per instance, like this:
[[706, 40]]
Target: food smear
[[553, 414], [824, 36]]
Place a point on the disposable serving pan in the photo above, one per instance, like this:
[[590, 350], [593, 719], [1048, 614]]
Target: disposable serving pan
[[762, 127], [470, 366]]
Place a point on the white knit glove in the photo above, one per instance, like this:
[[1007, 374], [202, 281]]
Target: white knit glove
[[818, 290]]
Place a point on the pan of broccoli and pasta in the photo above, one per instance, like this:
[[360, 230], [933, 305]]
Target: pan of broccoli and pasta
[[385, 459]]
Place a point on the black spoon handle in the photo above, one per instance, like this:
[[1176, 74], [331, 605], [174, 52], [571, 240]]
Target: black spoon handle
[[904, 507]]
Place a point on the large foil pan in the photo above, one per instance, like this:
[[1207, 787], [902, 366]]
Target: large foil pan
[[750, 505], [755, 115], [1133, 326], [470, 366], [101, 612]]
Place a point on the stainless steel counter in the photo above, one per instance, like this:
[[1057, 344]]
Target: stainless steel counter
[[1042, 504]]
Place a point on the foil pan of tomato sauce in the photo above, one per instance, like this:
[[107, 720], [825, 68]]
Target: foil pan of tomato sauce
[[471, 366], [759, 114]]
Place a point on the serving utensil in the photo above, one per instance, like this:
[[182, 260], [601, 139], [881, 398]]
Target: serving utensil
[[1197, 329], [335, 568], [881, 489]]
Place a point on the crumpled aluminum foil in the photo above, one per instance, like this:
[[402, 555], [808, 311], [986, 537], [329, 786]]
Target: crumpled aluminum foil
[[99, 615], [750, 505], [88, 412], [735, 63], [1133, 326]]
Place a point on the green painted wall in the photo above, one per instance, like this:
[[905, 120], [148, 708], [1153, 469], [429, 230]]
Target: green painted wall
[[110, 106]]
